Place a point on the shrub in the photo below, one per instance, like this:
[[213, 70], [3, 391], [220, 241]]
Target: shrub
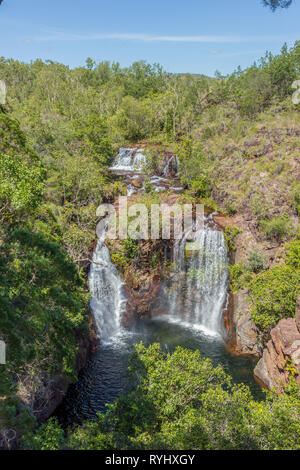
[[293, 254], [259, 206], [230, 207], [277, 228], [148, 187], [273, 295], [297, 201], [230, 234], [237, 272], [120, 260], [201, 186], [49, 436], [131, 248], [256, 261]]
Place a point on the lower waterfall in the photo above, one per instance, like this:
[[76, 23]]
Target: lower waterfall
[[196, 293], [108, 301]]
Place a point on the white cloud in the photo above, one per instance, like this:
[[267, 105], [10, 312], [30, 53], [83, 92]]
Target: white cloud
[[61, 36]]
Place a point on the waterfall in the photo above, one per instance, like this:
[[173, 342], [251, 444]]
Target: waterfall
[[129, 159], [172, 165], [139, 159], [198, 291], [108, 301]]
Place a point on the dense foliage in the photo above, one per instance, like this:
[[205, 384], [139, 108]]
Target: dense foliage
[[42, 296], [237, 138], [274, 292], [180, 401], [239, 127]]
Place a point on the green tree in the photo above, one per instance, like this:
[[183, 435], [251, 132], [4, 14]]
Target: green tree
[[180, 401], [273, 294], [21, 171]]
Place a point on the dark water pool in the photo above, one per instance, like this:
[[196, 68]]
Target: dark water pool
[[104, 377]]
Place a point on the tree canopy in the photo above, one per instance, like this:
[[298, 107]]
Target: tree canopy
[[274, 4], [180, 401]]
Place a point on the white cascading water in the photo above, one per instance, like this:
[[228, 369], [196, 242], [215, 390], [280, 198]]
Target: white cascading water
[[108, 301], [129, 159], [198, 293], [171, 165]]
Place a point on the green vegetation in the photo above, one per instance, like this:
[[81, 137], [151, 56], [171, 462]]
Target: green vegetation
[[42, 296], [273, 295], [237, 139], [242, 273], [293, 254], [256, 261], [126, 252], [277, 228], [274, 292], [230, 234], [180, 401], [236, 136], [50, 436]]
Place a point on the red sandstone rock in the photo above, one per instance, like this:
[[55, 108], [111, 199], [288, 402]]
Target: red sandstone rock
[[140, 301], [282, 349], [137, 183]]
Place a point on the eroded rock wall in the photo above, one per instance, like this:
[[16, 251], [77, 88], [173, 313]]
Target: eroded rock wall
[[282, 354]]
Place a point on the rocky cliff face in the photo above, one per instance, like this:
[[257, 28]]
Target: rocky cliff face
[[142, 299], [282, 354], [246, 334]]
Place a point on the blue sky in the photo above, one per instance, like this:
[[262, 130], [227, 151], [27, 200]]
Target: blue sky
[[197, 36]]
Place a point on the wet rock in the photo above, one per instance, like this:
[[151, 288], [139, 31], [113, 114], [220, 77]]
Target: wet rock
[[245, 329], [136, 183], [141, 300]]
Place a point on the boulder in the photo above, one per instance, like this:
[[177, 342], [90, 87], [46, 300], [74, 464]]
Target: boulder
[[137, 183], [282, 350]]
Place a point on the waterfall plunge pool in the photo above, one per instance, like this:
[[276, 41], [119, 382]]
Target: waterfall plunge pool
[[104, 377]]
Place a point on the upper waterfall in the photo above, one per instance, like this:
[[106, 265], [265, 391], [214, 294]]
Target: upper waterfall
[[129, 159], [171, 166]]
